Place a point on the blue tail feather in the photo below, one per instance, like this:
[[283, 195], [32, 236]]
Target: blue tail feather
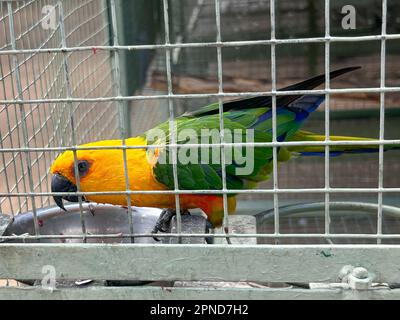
[[302, 107], [305, 105]]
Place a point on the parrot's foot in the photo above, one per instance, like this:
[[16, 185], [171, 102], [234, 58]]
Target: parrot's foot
[[228, 240], [164, 220], [209, 228]]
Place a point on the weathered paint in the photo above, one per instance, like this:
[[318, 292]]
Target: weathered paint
[[172, 293], [265, 263], [326, 253]]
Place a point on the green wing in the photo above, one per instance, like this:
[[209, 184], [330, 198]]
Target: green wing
[[205, 173], [253, 114]]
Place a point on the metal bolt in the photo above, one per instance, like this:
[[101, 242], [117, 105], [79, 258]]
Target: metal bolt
[[360, 273], [357, 278]]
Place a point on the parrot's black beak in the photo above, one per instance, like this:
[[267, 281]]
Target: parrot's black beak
[[61, 184]]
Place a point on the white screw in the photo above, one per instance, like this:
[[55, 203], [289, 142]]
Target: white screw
[[357, 278]]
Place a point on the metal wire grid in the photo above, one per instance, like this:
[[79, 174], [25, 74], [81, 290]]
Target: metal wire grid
[[248, 20], [273, 42], [194, 70], [40, 75]]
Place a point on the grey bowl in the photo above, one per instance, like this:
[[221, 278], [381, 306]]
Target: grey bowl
[[98, 218]]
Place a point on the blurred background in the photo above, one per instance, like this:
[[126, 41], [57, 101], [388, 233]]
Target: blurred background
[[194, 70]]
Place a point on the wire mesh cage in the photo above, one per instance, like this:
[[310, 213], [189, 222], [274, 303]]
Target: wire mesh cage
[[247, 68], [74, 72], [42, 76]]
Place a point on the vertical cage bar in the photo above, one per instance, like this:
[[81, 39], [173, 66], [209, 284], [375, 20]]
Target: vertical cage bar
[[43, 93], [23, 116], [221, 117], [6, 178], [381, 118], [121, 108], [71, 113], [8, 185], [31, 106], [274, 149], [172, 123], [21, 204], [327, 116]]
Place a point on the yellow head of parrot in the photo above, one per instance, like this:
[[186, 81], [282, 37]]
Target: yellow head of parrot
[[102, 170], [98, 169]]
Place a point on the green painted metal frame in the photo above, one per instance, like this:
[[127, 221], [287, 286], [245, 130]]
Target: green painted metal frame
[[157, 293], [273, 263], [262, 263]]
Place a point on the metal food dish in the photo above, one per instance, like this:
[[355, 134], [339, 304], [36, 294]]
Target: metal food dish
[[98, 218]]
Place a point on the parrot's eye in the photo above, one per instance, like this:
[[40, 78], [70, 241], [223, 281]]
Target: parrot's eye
[[83, 167]]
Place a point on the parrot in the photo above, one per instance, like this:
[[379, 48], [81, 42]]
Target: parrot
[[152, 168]]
